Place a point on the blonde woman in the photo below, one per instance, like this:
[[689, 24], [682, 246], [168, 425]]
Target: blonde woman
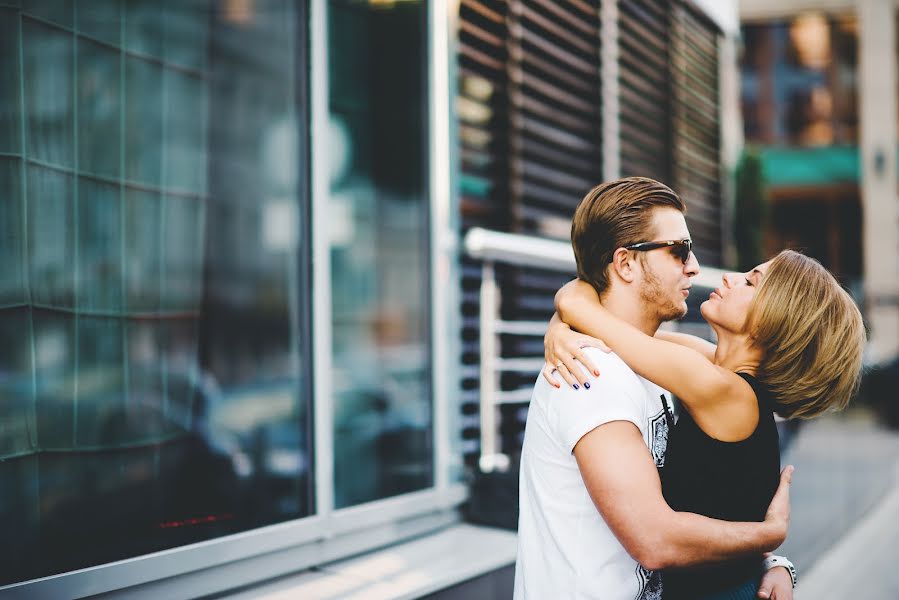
[[790, 340]]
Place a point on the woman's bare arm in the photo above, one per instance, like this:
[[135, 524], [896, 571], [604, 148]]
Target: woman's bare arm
[[686, 372], [704, 347]]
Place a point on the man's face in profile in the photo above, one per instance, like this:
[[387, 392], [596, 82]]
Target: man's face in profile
[[666, 278]]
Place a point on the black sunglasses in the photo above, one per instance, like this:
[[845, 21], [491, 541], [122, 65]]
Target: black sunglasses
[[679, 248]]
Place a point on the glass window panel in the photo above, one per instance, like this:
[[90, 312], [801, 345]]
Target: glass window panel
[[10, 111], [103, 415], [185, 160], [143, 121], [183, 243], [51, 237], [143, 250], [100, 20], [20, 514], [99, 109], [17, 424], [382, 435], [55, 378], [99, 247], [56, 11], [12, 238], [186, 34], [49, 95], [144, 27], [170, 403]]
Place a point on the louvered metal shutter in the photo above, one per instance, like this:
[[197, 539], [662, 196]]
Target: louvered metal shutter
[[644, 89], [555, 133], [696, 165], [530, 135], [554, 106], [482, 107]]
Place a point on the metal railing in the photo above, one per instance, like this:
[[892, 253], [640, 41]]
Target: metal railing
[[492, 248]]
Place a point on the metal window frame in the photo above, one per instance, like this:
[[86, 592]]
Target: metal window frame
[[240, 559]]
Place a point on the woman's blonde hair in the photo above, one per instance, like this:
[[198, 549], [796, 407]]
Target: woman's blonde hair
[[812, 334]]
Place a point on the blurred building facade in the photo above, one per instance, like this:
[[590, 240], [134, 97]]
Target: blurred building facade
[[819, 103], [237, 320]]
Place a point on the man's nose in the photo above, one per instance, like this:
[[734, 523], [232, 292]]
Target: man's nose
[[692, 265]]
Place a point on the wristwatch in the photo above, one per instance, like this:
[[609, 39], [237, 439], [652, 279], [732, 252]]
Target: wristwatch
[[780, 561]]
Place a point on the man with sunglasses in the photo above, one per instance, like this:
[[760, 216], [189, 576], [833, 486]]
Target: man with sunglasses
[[593, 522]]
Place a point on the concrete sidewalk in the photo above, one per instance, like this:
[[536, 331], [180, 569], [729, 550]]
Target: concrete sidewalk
[[845, 509]]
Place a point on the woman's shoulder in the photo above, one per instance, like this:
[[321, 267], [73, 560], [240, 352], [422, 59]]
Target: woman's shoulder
[[734, 416]]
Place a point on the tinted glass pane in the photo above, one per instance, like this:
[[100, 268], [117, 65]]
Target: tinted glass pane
[[185, 156], [382, 435], [100, 20], [144, 27], [99, 247], [12, 229], [143, 251], [143, 121], [10, 117], [55, 11], [55, 350], [186, 34], [51, 237], [99, 109], [49, 93], [154, 383], [17, 424], [183, 254]]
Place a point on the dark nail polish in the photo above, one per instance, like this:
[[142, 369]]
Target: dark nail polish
[[576, 386], [587, 385]]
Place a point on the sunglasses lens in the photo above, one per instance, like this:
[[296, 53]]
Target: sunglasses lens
[[682, 251]]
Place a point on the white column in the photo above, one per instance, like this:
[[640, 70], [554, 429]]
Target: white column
[[880, 225]]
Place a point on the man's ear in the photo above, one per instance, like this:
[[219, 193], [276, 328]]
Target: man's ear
[[624, 265]]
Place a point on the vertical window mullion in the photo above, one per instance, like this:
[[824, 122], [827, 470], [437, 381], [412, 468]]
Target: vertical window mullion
[[444, 295], [321, 266]]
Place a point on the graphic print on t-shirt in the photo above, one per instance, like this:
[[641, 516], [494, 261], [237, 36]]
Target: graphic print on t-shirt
[[650, 584], [658, 438]]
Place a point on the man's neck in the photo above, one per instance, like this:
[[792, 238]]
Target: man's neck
[[631, 311]]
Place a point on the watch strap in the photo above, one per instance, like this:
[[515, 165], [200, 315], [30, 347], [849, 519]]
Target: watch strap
[[774, 560]]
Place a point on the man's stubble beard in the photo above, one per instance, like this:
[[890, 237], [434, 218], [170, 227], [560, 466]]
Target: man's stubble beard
[[654, 298]]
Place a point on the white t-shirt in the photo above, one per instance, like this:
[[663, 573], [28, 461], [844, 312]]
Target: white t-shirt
[[565, 549]]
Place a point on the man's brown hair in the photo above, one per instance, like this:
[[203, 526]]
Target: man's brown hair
[[615, 214]]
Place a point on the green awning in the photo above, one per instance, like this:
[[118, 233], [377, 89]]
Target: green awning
[[810, 166]]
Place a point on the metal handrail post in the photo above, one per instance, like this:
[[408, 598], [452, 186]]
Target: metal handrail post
[[490, 458]]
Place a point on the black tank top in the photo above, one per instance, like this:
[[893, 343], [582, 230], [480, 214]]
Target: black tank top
[[732, 481]]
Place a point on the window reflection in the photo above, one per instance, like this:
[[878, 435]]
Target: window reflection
[[153, 385], [379, 252]]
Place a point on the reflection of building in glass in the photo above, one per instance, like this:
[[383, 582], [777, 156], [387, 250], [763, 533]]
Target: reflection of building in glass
[[819, 106]]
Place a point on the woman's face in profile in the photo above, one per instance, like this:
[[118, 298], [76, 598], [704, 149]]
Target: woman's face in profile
[[728, 305]]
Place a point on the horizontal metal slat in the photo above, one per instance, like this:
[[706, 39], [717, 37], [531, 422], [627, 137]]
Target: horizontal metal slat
[[554, 70], [576, 121], [563, 55], [481, 60], [521, 327], [481, 9], [532, 84], [531, 19], [554, 178], [587, 26], [561, 139], [576, 163]]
